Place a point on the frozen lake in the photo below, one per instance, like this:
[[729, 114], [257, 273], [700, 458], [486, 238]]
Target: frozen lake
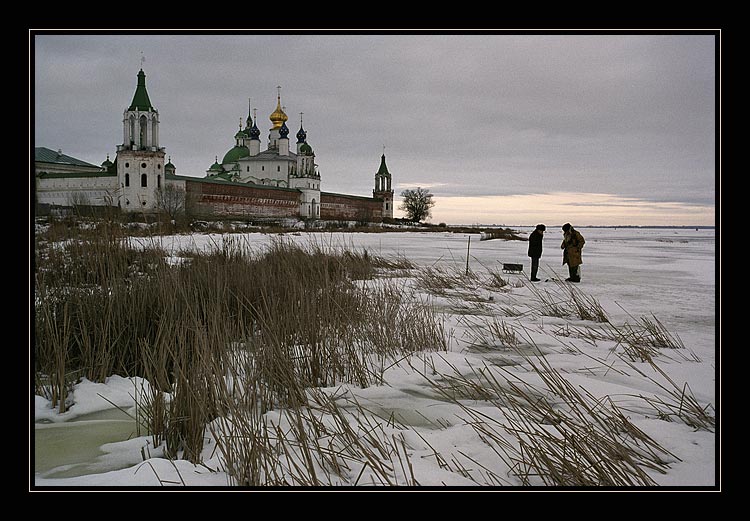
[[670, 272], [632, 272]]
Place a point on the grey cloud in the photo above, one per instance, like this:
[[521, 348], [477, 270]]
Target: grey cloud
[[632, 115]]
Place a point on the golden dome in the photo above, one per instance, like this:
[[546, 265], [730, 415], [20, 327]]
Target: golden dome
[[278, 117]]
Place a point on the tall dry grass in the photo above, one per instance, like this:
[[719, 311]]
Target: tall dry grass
[[565, 300], [551, 433], [229, 333]]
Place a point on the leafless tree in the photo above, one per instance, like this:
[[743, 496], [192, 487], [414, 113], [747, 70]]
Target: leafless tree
[[417, 204], [170, 199]]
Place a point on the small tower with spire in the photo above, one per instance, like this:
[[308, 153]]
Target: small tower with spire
[[301, 134], [306, 177], [249, 121], [383, 188], [241, 136], [254, 134], [284, 140], [140, 160]]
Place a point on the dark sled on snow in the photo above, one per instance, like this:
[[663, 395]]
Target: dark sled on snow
[[512, 268]]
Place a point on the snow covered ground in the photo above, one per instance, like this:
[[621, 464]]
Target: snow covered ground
[[664, 275]]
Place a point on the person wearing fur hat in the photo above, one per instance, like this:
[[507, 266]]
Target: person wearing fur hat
[[572, 245], [535, 249]]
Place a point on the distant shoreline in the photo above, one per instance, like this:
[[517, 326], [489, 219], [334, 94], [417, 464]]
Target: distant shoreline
[[628, 226]]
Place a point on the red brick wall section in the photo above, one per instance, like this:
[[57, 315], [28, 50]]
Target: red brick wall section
[[227, 200], [350, 208], [240, 200]]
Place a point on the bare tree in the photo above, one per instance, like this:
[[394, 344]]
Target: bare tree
[[170, 199], [417, 204]]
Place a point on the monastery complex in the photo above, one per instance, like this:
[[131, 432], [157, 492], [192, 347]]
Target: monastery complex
[[282, 181]]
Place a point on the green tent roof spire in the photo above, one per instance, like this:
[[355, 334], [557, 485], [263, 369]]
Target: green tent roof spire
[[383, 169], [140, 98]]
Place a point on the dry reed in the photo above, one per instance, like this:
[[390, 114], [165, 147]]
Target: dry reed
[[553, 434], [232, 333]]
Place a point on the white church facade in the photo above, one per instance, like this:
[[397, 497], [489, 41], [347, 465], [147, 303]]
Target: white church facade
[[277, 165]]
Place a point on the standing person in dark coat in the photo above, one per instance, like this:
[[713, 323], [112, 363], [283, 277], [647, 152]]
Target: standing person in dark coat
[[535, 249], [572, 245]]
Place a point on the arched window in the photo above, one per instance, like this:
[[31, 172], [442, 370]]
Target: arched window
[[158, 181], [144, 131], [127, 179], [144, 181], [131, 137]]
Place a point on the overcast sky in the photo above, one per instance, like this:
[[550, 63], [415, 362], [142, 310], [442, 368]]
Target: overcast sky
[[502, 128]]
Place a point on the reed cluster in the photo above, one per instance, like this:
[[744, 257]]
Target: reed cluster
[[227, 331], [551, 433], [565, 300]]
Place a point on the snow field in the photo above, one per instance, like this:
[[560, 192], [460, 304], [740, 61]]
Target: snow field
[[465, 416]]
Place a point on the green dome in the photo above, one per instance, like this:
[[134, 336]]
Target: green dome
[[305, 149], [237, 152], [107, 163]]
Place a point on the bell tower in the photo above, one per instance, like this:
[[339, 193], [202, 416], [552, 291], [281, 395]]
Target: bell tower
[[383, 188], [140, 160]]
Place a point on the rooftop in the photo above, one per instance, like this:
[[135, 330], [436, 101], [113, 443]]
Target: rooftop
[[267, 155], [46, 155]]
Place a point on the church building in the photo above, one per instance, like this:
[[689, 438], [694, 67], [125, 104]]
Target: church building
[[250, 183], [277, 166]]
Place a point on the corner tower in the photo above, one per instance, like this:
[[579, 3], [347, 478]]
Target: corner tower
[[383, 188], [140, 160]]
